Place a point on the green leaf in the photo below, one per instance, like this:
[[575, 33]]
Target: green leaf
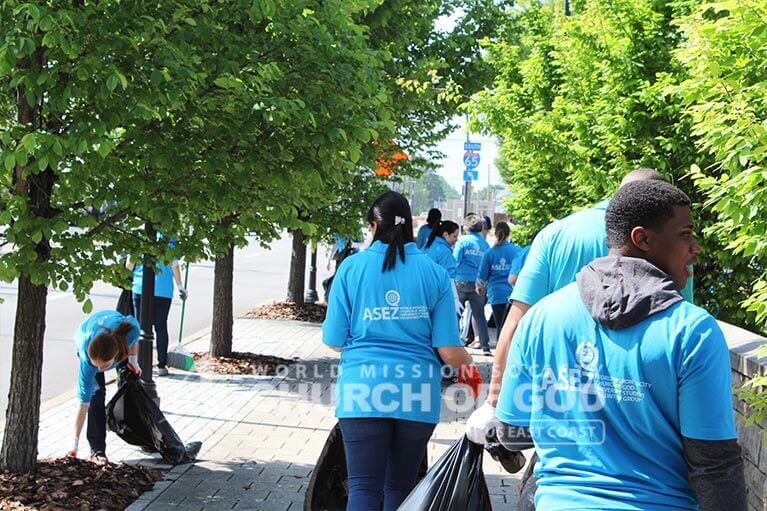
[[87, 306], [112, 82], [9, 162]]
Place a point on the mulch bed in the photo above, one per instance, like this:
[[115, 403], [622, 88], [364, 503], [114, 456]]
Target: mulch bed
[[310, 312], [59, 484], [240, 363]]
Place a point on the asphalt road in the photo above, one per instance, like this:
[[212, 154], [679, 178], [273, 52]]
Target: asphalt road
[[259, 275]]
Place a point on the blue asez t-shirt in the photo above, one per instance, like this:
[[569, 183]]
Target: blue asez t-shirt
[[559, 252], [494, 272], [607, 409], [92, 326], [441, 253], [163, 280], [519, 260], [387, 325], [468, 252], [423, 236]]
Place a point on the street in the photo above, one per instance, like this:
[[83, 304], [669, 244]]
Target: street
[[259, 275]]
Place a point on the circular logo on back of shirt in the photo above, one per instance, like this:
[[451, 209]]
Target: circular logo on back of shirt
[[392, 298], [503, 261], [587, 355]]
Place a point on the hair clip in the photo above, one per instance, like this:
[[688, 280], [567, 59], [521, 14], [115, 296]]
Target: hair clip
[[398, 220]]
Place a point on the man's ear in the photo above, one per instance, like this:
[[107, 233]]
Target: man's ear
[[640, 238]]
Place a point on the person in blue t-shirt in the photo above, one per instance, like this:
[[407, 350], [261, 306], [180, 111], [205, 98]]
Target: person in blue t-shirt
[[494, 273], [439, 246], [163, 296], [390, 314], [432, 220], [468, 252], [623, 387], [516, 267], [556, 255], [103, 341]]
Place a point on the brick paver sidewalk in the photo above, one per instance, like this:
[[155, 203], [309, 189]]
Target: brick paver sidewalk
[[261, 435]]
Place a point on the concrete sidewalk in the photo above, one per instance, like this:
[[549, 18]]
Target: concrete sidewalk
[[261, 435]]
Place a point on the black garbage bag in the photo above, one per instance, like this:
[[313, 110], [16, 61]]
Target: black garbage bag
[[137, 419], [125, 303], [455, 483], [328, 488]]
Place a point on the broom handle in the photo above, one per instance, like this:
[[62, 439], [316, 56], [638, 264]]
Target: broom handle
[[183, 305]]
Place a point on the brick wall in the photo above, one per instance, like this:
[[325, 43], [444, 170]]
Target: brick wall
[[745, 365]]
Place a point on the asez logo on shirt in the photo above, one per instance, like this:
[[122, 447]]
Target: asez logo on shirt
[[587, 355], [501, 266], [384, 313], [392, 298], [475, 252]]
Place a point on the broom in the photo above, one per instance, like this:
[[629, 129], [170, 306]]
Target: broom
[[179, 357]]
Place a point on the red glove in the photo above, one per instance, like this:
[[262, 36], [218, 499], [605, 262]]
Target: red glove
[[470, 376]]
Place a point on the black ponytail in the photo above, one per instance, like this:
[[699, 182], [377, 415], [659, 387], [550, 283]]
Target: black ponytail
[[394, 225], [433, 218], [444, 227]]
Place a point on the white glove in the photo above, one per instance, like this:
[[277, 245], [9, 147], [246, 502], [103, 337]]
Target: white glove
[[75, 445], [480, 422], [183, 293], [133, 365]]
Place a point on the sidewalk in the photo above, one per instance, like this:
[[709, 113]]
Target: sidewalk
[[261, 435]]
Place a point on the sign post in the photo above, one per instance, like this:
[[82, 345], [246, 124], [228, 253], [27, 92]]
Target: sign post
[[471, 162]]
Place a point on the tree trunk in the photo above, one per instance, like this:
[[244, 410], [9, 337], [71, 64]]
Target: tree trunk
[[297, 268], [19, 452], [223, 310], [22, 417]]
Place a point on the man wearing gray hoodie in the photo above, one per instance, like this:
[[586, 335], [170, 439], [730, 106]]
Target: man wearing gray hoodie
[[623, 386]]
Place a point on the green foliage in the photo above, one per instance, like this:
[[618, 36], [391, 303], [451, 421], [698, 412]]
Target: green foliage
[[724, 51], [579, 101]]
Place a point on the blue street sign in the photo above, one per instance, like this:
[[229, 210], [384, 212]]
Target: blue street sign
[[472, 146], [471, 160], [470, 175]]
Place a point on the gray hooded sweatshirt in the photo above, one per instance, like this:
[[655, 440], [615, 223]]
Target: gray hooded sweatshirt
[[620, 292]]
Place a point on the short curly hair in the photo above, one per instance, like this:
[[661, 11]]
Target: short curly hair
[[647, 204]]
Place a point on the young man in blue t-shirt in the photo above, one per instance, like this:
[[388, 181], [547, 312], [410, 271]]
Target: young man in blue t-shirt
[[468, 252], [623, 386]]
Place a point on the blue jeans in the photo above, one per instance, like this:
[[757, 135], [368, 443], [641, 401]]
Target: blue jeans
[[382, 458], [467, 291]]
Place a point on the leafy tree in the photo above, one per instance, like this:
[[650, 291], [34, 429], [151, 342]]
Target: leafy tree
[[724, 52], [579, 101]]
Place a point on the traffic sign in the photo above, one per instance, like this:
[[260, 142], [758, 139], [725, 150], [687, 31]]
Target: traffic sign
[[470, 175], [471, 160], [472, 146]]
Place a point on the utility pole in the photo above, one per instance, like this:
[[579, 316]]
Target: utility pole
[[467, 183], [311, 293], [146, 319]]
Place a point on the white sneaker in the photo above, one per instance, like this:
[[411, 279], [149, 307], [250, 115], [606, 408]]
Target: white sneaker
[[162, 371]]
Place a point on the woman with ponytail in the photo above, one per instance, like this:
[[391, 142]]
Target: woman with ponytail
[[494, 271], [432, 221], [439, 248], [104, 340], [390, 313]]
